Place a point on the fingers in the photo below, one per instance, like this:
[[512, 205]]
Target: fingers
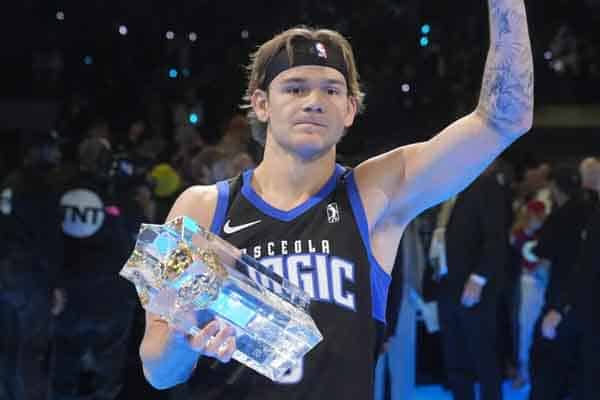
[[226, 350], [214, 341]]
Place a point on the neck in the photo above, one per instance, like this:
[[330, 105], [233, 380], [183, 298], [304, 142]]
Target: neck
[[285, 180]]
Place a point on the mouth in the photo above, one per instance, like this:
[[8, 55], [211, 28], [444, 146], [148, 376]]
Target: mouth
[[311, 123]]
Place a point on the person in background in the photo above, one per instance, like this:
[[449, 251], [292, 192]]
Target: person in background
[[93, 331], [559, 242], [476, 243], [30, 262], [533, 282]]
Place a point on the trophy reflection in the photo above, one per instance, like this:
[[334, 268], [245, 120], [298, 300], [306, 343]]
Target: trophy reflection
[[180, 267]]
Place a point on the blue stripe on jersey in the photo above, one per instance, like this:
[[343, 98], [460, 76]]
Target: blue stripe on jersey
[[221, 209], [380, 280], [286, 216]]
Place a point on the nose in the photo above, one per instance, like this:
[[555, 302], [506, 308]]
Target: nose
[[314, 103]]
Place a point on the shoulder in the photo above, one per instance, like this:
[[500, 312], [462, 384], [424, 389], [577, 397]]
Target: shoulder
[[196, 202]]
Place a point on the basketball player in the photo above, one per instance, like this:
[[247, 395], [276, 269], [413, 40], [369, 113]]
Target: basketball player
[[330, 230]]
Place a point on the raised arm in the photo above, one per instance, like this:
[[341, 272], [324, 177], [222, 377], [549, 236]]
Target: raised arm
[[415, 177]]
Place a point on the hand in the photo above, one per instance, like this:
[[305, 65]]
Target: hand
[[59, 301], [551, 321], [471, 293], [214, 341]]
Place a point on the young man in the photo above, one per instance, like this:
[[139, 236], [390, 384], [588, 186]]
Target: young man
[[332, 231]]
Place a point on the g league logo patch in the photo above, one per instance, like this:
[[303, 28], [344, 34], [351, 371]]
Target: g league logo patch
[[333, 213], [321, 51]]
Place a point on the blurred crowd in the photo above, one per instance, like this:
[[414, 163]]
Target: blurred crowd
[[69, 217], [514, 271]]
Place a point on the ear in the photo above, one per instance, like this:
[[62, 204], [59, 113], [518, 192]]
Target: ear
[[260, 105], [351, 110]]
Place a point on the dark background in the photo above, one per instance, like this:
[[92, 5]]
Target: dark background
[[44, 68]]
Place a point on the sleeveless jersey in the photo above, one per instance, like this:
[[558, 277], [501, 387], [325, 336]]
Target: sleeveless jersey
[[323, 247]]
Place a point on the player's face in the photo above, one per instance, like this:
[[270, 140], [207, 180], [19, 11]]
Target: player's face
[[308, 110]]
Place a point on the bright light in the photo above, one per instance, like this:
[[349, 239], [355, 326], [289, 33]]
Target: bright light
[[88, 60], [193, 36], [170, 35], [548, 55], [405, 88], [245, 34], [424, 41], [123, 30], [425, 29], [193, 118], [60, 15], [172, 73]]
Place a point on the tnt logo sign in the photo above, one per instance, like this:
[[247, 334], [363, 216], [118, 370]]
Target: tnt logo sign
[[333, 213], [83, 213], [321, 51]]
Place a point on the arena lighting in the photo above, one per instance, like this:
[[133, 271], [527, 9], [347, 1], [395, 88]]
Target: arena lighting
[[193, 118], [172, 73], [548, 55], [425, 29], [424, 41], [60, 15], [193, 36], [170, 35], [88, 60], [123, 30], [245, 34], [405, 87]]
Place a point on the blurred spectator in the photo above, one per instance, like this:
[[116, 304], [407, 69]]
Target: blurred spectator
[[167, 186], [533, 282], [92, 334], [559, 242], [590, 179], [585, 298], [188, 143], [30, 260], [476, 244], [534, 185]]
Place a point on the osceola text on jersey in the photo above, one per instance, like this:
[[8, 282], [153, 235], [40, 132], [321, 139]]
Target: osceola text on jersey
[[309, 265]]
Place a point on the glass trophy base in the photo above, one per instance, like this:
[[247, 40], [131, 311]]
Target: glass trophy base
[[186, 274]]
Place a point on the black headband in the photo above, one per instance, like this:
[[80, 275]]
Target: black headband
[[306, 52]]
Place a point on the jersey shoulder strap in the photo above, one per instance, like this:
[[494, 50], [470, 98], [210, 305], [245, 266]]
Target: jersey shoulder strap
[[227, 191]]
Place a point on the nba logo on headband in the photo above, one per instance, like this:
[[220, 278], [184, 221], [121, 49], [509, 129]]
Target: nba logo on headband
[[321, 52]]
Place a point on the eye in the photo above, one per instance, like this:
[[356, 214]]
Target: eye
[[294, 90], [333, 91]]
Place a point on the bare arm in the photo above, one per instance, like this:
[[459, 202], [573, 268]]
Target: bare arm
[[415, 177]]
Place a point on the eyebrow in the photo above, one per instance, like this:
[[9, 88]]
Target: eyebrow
[[304, 80]]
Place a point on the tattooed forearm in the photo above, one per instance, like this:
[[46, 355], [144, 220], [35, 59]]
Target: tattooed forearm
[[506, 99]]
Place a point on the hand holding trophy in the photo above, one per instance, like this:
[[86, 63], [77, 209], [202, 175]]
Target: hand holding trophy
[[181, 270]]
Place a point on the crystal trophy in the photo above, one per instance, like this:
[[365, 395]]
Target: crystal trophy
[[186, 274]]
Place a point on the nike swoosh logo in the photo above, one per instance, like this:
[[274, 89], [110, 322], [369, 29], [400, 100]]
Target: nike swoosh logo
[[228, 229]]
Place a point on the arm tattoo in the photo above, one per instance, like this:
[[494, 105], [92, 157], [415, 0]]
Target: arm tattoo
[[506, 98]]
